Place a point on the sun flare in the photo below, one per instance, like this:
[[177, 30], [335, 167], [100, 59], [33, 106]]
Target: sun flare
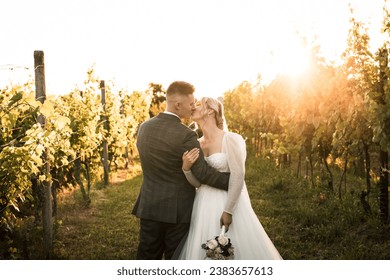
[[291, 59]]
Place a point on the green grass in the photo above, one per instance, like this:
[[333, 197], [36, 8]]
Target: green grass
[[105, 230], [312, 223], [304, 223]]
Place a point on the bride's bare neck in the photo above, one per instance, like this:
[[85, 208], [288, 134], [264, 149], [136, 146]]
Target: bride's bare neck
[[210, 131], [211, 141]]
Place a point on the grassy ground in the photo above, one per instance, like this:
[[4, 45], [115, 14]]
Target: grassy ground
[[304, 223], [105, 230], [312, 223]]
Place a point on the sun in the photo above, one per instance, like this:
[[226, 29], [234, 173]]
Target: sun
[[291, 59]]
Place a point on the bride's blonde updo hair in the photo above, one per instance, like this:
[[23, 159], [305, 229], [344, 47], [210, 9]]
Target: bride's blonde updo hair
[[215, 105]]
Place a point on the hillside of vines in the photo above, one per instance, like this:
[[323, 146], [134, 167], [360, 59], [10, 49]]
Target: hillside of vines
[[328, 125]]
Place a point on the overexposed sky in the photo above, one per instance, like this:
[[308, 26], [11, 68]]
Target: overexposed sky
[[214, 44]]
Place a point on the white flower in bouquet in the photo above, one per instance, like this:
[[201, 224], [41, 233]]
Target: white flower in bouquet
[[219, 248], [223, 240], [212, 244]]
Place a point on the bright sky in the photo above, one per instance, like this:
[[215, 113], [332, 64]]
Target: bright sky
[[214, 44]]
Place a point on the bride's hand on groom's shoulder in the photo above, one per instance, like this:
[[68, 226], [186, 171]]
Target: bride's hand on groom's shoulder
[[189, 158]]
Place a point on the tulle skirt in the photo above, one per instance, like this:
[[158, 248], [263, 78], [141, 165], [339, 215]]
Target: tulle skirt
[[248, 237]]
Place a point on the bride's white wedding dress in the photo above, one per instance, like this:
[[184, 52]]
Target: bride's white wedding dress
[[248, 237]]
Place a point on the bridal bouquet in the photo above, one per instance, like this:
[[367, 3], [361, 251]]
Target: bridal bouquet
[[219, 248]]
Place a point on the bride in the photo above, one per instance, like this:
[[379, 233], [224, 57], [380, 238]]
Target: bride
[[214, 208]]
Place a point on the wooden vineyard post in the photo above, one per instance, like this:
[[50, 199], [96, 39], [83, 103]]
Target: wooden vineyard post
[[105, 125], [40, 95]]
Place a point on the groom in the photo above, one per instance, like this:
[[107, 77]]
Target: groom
[[164, 204]]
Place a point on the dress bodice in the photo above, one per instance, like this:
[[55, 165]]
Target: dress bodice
[[218, 161]]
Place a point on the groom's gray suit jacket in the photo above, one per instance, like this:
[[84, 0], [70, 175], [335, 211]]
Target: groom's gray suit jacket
[[165, 194]]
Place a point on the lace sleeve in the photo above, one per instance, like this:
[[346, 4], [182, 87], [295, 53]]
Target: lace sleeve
[[191, 178], [235, 148]]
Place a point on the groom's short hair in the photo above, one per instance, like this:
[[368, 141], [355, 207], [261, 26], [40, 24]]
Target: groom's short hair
[[180, 87]]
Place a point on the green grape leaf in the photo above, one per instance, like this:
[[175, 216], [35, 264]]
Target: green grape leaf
[[18, 96]]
